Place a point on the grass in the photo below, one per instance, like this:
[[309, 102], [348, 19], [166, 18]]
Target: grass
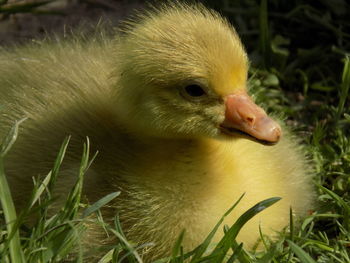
[[293, 73], [23, 6]]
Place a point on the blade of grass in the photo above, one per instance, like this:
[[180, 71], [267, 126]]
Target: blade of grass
[[131, 251], [13, 237], [291, 224], [200, 250], [243, 255], [8, 208], [270, 254], [342, 203], [58, 163], [73, 200], [97, 205], [10, 138], [177, 248], [265, 46], [301, 254], [131, 254], [108, 257], [61, 240], [235, 254], [345, 85], [225, 243], [40, 190]]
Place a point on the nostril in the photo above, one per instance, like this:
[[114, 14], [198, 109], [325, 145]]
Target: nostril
[[250, 120]]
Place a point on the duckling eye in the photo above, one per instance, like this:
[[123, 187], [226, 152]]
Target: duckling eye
[[194, 90]]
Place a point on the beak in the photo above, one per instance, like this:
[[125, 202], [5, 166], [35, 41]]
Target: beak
[[243, 116]]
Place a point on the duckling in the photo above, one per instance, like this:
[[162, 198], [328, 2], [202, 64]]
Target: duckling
[[166, 104]]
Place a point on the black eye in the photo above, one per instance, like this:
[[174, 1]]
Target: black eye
[[194, 90]]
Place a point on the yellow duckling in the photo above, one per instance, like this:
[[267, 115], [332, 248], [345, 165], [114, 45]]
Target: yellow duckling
[[166, 106]]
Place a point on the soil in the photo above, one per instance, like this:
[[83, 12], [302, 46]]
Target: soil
[[60, 16]]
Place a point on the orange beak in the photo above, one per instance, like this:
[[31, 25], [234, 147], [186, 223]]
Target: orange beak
[[242, 115]]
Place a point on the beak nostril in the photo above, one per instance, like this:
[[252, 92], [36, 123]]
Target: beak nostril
[[250, 120]]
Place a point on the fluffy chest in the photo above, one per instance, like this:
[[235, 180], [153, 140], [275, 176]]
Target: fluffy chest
[[167, 188], [194, 185]]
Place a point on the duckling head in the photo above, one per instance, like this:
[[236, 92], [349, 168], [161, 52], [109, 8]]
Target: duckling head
[[182, 72]]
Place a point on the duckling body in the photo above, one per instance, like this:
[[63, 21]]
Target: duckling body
[[161, 144]]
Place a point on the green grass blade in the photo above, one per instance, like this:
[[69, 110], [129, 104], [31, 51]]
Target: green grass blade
[[44, 184], [199, 251], [73, 200], [268, 257], [345, 85], [10, 138], [97, 205], [58, 163], [243, 256], [226, 242], [9, 211], [301, 254], [291, 224], [131, 253], [265, 45], [235, 254], [177, 249], [107, 258], [13, 237], [340, 202], [61, 238]]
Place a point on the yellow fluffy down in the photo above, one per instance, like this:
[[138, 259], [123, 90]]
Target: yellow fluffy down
[[164, 152]]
